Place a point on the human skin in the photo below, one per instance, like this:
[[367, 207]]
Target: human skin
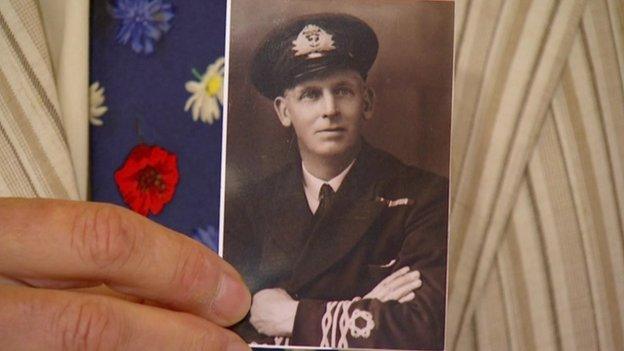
[[162, 290], [327, 114]]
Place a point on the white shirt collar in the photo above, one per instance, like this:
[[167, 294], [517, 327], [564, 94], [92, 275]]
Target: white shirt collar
[[312, 185]]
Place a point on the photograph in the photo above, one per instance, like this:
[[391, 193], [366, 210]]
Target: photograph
[[335, 201]]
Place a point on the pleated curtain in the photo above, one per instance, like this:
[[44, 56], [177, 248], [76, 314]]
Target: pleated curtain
[[44, 98], [537, 251]]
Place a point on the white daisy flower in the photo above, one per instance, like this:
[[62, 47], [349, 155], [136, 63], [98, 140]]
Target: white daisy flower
[[207, 93], [96, 104]]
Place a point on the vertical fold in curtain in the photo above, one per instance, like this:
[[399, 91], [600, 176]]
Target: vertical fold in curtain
[[66, 24]]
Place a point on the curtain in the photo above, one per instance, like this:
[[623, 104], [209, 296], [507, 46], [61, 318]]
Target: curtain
[[35, 141], [537, 253]]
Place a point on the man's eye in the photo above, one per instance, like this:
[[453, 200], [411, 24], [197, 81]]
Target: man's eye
[[309, 94], [344, 91]]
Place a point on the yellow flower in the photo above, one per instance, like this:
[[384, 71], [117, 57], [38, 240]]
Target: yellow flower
[[207, 93], [96, 104]]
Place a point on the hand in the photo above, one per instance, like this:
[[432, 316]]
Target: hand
[[398, 286], [273, 312], [163, 290]]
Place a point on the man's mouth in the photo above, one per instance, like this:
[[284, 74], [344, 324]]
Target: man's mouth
[[334, 130]]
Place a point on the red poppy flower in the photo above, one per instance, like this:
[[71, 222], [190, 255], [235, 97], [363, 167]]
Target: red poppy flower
[[148, 178]]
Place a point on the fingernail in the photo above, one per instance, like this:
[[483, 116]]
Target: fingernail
[[237, 345], [233, 299]]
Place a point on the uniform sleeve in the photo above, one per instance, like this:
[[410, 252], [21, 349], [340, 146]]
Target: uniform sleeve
[[370, 323]]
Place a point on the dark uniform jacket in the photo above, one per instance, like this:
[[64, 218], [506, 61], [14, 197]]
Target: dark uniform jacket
[[385, 216]]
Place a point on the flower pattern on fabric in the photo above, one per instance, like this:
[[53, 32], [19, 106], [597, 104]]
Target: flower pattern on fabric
[[143, 22], [208, 236], [147, 180], [96, 104], [207, 93]]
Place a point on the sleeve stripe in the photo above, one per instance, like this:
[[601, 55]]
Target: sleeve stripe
[[338, 322]]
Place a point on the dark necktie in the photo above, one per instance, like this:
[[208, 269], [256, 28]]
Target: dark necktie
[[325, 195]]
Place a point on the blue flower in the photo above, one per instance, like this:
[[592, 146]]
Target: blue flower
[[143, 22], [208, 237]]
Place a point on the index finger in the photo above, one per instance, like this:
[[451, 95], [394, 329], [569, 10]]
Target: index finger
[[65, 240], [398, 273]]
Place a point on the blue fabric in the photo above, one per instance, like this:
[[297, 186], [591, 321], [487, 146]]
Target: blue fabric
[[145, 95]]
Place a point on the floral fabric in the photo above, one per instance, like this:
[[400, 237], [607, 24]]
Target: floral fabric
[[156, 89]]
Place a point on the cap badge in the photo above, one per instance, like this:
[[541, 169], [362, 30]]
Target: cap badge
[[313, 42]]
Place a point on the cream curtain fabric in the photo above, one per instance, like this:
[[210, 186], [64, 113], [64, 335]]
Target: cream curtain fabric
[[34, 143], [66, 24], [44, 98], [537, 248], [537, 252]]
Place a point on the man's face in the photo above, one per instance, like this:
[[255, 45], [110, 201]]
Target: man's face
[[327, 113]]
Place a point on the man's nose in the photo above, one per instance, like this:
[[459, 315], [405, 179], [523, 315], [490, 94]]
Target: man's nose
[[329, 104]]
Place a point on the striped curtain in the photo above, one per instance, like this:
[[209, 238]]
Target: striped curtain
[[537, 250], [34, 147]]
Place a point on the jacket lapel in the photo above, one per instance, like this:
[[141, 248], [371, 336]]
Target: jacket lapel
[[286, 224], [352, 211]]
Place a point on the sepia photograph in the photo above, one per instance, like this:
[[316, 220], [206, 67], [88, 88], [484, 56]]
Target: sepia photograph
[[336, 163]]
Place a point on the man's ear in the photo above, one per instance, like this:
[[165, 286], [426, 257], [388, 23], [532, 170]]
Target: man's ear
[[369, 102], [281, 109]]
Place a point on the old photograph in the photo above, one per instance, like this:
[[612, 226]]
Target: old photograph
[[335, 205]]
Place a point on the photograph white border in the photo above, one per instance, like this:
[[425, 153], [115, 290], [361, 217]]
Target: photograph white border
[[224, 159]]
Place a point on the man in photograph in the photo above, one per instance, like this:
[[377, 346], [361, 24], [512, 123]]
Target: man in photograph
[[346, 246]]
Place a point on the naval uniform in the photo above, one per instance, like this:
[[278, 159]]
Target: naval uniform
[[384, 216]]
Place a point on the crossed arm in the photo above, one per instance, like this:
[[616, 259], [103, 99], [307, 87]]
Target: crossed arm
[[273, 311]]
